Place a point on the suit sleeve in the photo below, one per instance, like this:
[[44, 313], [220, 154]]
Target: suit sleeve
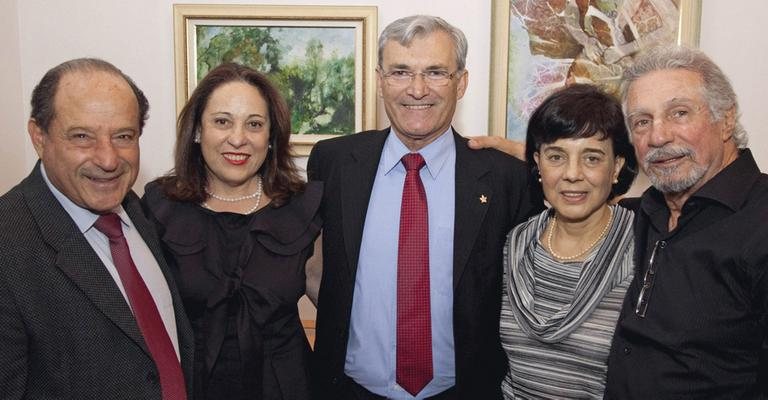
[[14, 348], [313, 164]]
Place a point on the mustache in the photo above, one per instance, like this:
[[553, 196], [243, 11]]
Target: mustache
[[667, 152], [98, 173]]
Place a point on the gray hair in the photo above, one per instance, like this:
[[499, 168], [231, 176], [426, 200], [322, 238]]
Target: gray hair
[[405, 29], [717, 89], [43, 95]]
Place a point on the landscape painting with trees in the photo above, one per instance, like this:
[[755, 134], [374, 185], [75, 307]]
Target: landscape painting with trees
[[313, 66]]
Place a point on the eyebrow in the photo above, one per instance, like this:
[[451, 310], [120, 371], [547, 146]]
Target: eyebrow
[[675, 101], [229, 114], [586, 150], [409, 68], [679, 101]]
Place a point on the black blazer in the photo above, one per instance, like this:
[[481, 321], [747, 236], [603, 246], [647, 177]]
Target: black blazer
[[347, 166], [66, 331]]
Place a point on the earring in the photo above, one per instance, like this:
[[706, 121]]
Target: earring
[[539, 178], [196, 139], [615, 180], [269, 147]]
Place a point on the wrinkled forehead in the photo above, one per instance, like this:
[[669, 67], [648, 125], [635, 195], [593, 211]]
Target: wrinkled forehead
[[662, 89]]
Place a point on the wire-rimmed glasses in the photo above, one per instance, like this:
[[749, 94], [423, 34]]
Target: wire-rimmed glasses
[[432, 77], [648, 280]]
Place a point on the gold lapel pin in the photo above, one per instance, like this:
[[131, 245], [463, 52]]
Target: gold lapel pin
[[483, 199]]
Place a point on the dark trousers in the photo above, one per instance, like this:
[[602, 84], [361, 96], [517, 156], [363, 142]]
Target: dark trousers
[[353, 391]]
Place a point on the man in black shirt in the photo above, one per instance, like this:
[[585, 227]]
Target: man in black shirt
[[693, 324]]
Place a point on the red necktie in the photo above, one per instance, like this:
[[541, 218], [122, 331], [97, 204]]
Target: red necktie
[[144, 310], [414, 332]]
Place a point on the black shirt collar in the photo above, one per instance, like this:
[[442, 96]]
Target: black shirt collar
[[729, 187]]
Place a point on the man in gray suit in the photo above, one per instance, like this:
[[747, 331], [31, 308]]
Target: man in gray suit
[[87, 306]]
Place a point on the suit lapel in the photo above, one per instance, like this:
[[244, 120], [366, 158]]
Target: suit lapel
[[76, 258], [357, 176], [472, 183], [184, 332]]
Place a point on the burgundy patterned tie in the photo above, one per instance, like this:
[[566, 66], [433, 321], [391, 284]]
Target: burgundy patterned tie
[[144, 310], [414, 332]]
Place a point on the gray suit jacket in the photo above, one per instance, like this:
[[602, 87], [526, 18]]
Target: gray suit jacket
[[347, 166], [66, 331]]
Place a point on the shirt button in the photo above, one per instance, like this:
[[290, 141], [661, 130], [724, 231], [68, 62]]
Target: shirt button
[[663, 244], [335, 381], [627, 350]]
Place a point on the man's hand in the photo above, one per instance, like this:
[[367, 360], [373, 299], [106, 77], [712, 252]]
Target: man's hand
[[516, 149]]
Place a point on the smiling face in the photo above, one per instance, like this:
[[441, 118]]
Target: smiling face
[[234, 137], [420, 113], [676, 141], [91, 150], [577, 175]]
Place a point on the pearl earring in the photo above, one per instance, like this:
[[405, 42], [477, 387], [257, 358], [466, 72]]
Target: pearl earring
[[196, 139]]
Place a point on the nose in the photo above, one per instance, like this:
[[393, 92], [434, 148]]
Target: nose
[[106, 156], [237, 137], [418, 87], [661, 134], [573, 170]]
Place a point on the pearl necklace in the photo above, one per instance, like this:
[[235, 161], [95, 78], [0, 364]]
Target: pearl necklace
[[256, 194], [591, 245]]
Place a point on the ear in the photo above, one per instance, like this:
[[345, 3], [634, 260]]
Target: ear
[[37, 136], [617, 166], [729, 124], [536, 160], [461, 87], [379, 83]]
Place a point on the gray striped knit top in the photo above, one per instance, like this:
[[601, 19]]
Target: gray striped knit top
[[558, 318]]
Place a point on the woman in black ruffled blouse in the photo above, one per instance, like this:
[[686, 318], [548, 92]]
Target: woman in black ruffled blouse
[[238, 225]]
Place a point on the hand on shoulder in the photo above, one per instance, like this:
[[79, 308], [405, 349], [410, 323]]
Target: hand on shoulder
[[515, 149]]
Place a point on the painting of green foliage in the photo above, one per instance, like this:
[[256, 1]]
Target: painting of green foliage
[[314, 67]]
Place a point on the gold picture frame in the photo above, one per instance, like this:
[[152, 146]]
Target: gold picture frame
[[199, 27], [500, 105]]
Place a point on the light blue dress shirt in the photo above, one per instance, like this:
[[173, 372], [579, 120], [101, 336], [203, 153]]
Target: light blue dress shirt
[[371, 350]]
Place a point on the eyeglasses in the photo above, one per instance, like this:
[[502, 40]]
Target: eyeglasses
[[648, 280], [432, 77]]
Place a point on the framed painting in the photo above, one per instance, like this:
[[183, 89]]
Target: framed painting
[[539, 46], [322, 58]]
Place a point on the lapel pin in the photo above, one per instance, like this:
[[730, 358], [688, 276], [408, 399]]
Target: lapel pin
[[483, 199]]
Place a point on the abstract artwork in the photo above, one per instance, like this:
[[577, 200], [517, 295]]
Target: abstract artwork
[[540, 46]]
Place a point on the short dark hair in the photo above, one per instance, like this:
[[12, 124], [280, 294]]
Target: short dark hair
[[279, 173], [581, 111], [43, 95]]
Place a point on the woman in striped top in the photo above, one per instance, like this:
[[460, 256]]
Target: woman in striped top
[[567, 270]]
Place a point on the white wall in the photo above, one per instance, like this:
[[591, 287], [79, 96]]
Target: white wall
[[137, 36], [12, 137], [732, 35]]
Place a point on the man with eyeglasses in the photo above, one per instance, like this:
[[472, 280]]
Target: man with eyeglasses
[[414, 225], [693, 324]]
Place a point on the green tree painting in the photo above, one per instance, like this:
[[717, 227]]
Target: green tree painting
[[313, 67]]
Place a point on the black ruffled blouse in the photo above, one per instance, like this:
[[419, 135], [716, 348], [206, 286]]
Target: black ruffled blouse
[[240, 277]]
